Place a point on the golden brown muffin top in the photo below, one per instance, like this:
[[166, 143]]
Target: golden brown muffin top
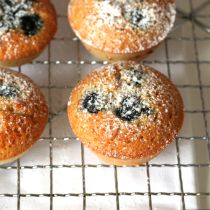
[[126, 110], [26, 27], [23, 113], [121, 26]]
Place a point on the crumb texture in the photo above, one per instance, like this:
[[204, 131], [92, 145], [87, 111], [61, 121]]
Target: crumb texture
[[122, 26], [23, 113], [126, 110]]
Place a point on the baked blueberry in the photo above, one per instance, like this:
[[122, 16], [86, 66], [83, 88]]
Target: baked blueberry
[[26, 28], [131, 109], [8, 90], [92, 103], [9, 3], [140, 18], [30, 24], [146, 110], [136, 17], [15, 15]]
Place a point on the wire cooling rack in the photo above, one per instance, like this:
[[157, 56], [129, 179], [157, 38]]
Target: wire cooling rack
[[78, 183]]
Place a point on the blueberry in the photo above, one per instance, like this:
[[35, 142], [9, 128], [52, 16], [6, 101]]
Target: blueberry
[[8, 90], [9, 3], [30, 24], [140, 18], [146, 110], [92, 102], [129, 109], [136, 17], [14, 13], [136, 73]]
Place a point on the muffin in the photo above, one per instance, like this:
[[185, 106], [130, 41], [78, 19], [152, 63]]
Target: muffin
[[114, 30], [126, 113], [26, 28], [23, 114]]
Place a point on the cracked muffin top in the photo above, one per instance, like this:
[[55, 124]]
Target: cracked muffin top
[[23, 113], [126, 110]]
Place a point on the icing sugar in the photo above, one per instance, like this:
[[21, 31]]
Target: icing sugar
[[7, 90], [24, 91], [122, 13], [21, 105], [111, 133], [125, 26], [23, 113], [11, 13], [109, 13], [124, 87]]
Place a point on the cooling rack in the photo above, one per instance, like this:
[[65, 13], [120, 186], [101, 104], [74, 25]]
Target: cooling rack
[[60, 173]]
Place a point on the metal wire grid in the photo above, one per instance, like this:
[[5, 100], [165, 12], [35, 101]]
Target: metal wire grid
[[54, 115]]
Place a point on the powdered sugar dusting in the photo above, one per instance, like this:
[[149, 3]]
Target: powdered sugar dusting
[[109, 13], [122, 13], [23, 87], [11, 12], [150, 118], [26, 27], [23, 113], [18, 96], [124, 26]]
